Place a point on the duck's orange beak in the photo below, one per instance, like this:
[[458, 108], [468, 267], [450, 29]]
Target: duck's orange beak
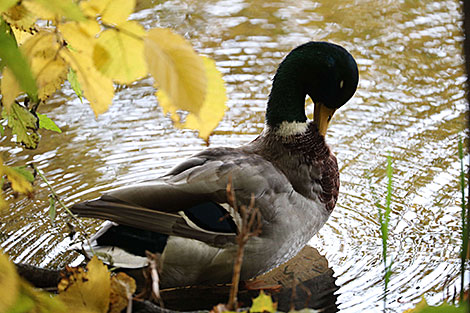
[[322, 116]]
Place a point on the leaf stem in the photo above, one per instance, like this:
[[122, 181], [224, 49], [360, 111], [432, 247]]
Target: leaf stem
[[54, 194], [70, 213]]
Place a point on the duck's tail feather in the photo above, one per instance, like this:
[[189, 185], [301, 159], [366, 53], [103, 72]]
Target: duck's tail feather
[[110, 208], [172, 224]]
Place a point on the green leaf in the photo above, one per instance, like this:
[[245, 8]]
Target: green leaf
[[23, 124], [47, 123], [263, 303], [12, 57], [73, 80], [23, 304], [2, 130], [24, 172], [52, 209]]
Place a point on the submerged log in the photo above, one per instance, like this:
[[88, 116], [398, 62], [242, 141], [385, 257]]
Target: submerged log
[[306, 281]]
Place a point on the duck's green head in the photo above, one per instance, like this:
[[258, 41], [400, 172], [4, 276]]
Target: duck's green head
[[324, 71]]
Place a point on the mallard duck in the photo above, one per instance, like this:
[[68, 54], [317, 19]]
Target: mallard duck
[[289, 170]]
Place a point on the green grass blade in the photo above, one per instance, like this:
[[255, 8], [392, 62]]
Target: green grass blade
[[464, 249]]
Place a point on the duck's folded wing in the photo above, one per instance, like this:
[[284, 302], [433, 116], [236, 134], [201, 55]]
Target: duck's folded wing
[[191, 200], [174, 224]]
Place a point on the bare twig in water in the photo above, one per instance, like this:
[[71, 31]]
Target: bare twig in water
[[250, 226], [154, 278]]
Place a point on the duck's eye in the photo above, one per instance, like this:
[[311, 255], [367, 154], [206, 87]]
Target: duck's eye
[[341, 84]]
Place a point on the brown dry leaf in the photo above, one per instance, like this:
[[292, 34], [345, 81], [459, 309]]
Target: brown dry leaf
[[177, 69], [86, 291], [122, 288]]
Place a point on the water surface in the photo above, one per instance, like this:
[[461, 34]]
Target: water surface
[[409, 104]]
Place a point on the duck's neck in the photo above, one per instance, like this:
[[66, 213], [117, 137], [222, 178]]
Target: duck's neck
[[286, 104]]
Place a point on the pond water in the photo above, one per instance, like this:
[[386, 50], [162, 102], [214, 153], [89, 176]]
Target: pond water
[[409, 104]]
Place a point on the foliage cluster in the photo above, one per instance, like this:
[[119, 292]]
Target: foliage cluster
[[94, 45]]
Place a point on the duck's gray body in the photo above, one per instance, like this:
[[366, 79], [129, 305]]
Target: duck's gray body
[[295, 190], [289, 170]]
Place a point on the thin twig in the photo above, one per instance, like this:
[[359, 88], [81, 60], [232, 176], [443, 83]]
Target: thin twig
[[54, 194], [250, 226], [155, 279], [70, 213]]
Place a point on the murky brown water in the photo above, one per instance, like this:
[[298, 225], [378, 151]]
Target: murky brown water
[[410, 104]]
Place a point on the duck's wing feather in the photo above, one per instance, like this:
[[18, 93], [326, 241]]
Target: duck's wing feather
[[177, 224], [188, 201]]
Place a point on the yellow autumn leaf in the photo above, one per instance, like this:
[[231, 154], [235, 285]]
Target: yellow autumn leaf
[[177, 69], [21, 36], [39, 10], [48, 67], [212, 110], [97, 88], [19, 183], [19, 296], [20, 17], [10, 88], [86, 291], [119, 53], [63, 8], [112, 12], [9, 283], [6, 4], [122, 288], [263, 303], [80, 35]]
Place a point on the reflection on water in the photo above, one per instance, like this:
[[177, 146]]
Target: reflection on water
[[410, 104]]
